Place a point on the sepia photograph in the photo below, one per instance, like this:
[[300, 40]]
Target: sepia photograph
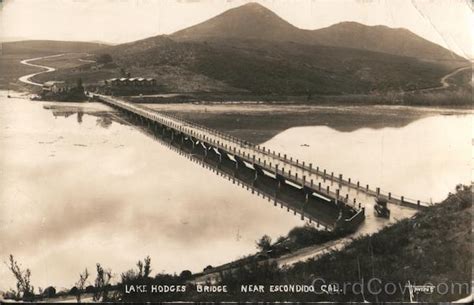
[[233, 151]]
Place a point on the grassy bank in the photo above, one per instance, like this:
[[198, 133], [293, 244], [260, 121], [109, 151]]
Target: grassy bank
[[459, 96], [11, 69], [191, 87], [12, 53], [432, 247]]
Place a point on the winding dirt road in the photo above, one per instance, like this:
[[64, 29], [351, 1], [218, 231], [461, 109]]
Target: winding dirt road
[[444, 80], [26, 78]]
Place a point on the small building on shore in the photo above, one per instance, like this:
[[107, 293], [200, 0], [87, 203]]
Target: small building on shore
[[55, 87], [131, 82], [63, 91]]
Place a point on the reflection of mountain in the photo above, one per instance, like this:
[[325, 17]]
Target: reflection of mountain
[[260, 127]]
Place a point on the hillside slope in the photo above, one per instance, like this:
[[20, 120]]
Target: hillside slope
[[250, 49], [254, 21], [41, 47], [433, 248], [381, 39], [270, 67], [12, 53]]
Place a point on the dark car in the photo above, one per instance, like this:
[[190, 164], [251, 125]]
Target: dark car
[[380, 208]]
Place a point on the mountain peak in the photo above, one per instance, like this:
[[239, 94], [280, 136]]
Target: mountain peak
[[253, 21], [249, 21], [380, 38], [254, 5]]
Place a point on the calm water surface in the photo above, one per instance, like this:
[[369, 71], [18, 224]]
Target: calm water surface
[[80, 188], [421, 153], [73, 194], [423, 160]]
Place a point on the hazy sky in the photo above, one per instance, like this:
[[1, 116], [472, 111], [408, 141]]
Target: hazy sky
[[446, 22]]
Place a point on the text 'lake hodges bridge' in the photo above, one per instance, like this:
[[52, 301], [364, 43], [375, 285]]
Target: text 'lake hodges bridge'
[[316, 195]]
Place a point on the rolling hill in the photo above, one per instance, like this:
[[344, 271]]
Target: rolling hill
[[250, 49], [270, 67], [254, 21], [11, 53], [41, 47], [381, 39]]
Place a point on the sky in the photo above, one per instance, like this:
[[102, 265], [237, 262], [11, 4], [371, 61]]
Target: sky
[[449, 23]]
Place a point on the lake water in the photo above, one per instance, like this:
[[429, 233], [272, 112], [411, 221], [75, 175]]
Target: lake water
[[420, 153], [79, 188], [423, 160]]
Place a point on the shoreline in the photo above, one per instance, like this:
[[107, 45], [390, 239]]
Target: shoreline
[[425, 98], [264, 100]]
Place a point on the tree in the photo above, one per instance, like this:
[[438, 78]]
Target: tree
[[104, 58], [264, 243], [144, 268], [281, 239], [74, 291], [90, 289], [101, 283], [140, 268], [23, 283], [147, 268], [49, 292], [129, 276], [79, 83], [185, 275], [144, 271], [81, 283]]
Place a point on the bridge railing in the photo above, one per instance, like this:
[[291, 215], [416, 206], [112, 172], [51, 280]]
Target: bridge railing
[[347, 182], [308, 167], [400, 199], [310, 218], [269, 166]]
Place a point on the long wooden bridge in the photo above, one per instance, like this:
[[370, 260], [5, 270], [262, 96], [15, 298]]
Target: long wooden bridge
[[319, 196]]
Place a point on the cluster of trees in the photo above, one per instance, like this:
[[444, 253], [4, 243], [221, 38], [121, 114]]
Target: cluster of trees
[[26, 292], [298, 237], [101, 290], [24, 289], [143, 271], [104, 58], [249, 269]]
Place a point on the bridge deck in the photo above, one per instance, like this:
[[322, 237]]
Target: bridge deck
[[351, 192]]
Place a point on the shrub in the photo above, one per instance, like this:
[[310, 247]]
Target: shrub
[[264, 243], [104, 59]]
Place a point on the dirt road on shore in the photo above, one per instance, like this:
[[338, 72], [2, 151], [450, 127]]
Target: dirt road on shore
[[26, 78], [444, 84]]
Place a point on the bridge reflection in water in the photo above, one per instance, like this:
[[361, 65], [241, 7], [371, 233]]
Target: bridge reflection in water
[[246, 165]]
